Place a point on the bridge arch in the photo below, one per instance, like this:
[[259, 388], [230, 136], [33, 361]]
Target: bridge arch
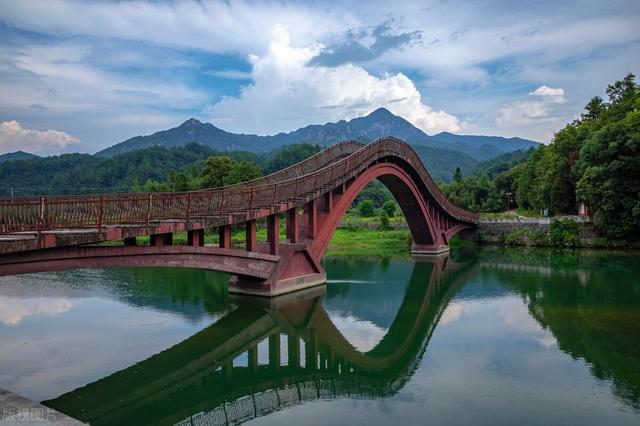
[[405, 191]]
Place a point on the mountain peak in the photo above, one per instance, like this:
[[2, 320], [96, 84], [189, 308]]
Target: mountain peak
[[191, 122], [381, 113]]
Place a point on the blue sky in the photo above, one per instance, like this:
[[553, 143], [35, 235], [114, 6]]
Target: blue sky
[[82, 75]]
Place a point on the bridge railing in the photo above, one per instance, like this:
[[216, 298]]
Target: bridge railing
[[76, 211]]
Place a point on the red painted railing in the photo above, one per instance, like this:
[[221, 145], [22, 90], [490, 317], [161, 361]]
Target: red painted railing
[[298, 183]]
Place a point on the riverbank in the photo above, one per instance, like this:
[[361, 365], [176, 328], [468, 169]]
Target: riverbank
[[366, 236]]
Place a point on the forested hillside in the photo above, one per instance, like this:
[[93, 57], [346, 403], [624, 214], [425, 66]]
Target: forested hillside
[[83, 173], [593, 160]]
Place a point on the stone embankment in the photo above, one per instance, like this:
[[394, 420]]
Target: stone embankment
[[533, 231]]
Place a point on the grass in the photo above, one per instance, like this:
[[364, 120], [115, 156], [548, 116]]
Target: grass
[[529, 213], [375, 242], [372, 242], [498, 216]]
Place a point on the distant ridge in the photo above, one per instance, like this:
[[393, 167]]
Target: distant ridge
[[377, 124], [18, 155]]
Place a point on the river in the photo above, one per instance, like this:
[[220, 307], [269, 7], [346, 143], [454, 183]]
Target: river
[[494, 336]]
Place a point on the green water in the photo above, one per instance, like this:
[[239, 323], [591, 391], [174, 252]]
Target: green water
[[489, 337]]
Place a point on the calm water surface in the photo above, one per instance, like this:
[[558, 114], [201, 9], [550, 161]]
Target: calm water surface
[[494, 337]]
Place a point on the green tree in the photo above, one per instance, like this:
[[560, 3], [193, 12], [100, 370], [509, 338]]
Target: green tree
[[135, 186], [242, 172], [389, 207], [594, 108], [289, 155], [457, 175], [384, 219], [215, 171], [366, 208]]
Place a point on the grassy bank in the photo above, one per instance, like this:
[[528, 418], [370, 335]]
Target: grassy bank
[[375, 242]]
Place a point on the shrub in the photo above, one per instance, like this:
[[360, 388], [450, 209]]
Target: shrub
[[538, 237], [384, 219], [517, 237], [366, 209], [565, 233], [390, 207]]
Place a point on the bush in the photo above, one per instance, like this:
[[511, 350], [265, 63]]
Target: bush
[[565, 233], [538, 237], [384, 219], [517, 237], [390, 207], [366, 209]]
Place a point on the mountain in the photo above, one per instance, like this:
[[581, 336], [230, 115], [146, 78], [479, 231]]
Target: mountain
[[18, 155], [379, 123]]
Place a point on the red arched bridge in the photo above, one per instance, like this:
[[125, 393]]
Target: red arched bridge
[[51, 233]]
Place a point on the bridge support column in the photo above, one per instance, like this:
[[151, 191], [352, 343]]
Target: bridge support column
[[273, 234], [293, 351], [224, 236], [195, 237], [252, 358], [292, 225], [312, 215], [251, 241], [311, 352], [130, 241], [274, 351], [160, 240], [328, 201]]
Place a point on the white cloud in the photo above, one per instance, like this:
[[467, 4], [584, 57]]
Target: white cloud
[[230, 74], [208, 25], [13, 137], [287, 93], [361, 334], [554, 95], [452, 313], [541, 113], [13, 310]]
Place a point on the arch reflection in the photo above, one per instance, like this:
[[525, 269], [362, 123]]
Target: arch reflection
[[306, 358]]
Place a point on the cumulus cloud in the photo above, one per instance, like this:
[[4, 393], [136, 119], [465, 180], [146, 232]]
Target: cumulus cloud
[[553, 95], [14, 310], [288, 93], [14, 137], [542, 108]]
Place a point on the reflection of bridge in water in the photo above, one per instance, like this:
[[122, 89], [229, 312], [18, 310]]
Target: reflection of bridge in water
[[197, 381]]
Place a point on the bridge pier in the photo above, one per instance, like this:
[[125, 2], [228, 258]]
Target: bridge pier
[[160, 240], [195, 237], [130, 241], [274, 351], [312, 217], [251, 241], [224, 236], [273, 234], [293, 230]]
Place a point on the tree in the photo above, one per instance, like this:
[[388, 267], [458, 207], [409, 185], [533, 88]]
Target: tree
[[135, 186], [457, 176], [242, 172], [384, 219], [215, 170], [621, 89], [594, 108], [366, 208], [289, 155], [390, 207]]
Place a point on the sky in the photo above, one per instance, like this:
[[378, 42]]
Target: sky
[[79, 76]]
